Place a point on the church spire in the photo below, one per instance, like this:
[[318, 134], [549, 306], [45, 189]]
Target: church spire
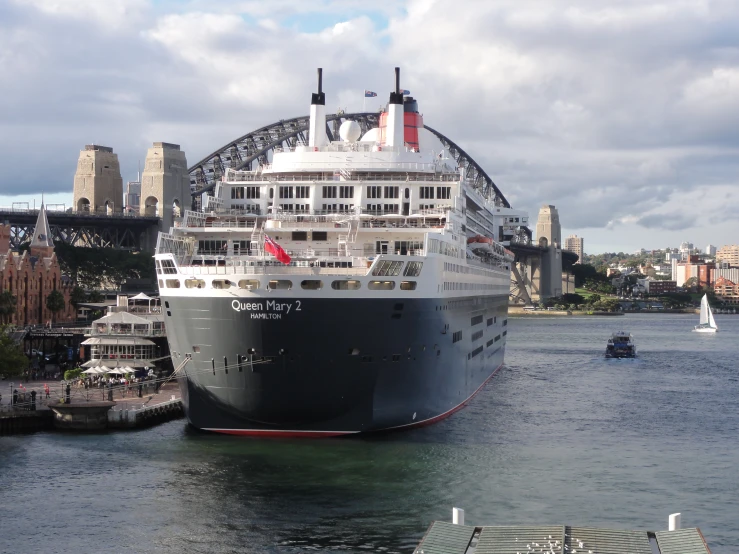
[[41, 243]]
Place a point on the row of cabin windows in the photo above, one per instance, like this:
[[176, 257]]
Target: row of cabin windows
[[285, 284], [454, 285], [344, 191]]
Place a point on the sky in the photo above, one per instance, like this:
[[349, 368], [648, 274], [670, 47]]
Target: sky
[[623, 114]]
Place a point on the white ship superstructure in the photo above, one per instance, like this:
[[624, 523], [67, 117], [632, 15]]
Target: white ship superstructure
[[391, 310]]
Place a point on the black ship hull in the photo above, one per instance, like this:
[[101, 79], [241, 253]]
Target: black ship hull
[[324, 367]]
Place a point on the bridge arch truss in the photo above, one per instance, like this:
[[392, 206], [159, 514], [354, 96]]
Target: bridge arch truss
[[286, 133]]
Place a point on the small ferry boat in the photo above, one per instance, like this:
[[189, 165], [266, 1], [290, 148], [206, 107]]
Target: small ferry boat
[[621, 345]]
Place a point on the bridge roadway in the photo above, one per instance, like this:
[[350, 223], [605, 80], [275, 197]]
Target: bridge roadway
[[128, 231]]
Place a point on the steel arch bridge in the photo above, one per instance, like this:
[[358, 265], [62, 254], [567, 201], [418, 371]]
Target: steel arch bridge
[[257, 145]]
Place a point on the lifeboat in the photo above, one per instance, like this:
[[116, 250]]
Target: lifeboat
[[479, 238]]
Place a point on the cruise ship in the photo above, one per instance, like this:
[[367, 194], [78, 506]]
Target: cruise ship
[[347, 286]]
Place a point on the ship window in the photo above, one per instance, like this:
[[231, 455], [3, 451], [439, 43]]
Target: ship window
[[474, 353], [300, 235], [252, 192], [497, 338], [320, 235], [302, 192], [280, 284], [413, 269], [505, 333], [272, 192], [166, 304], [168, 267], [286, 192], [476, 320], [374, 192], [346, 191], [505, 322], [392, 192], [476, 335], [221, 283], [387, 268], [329, 192], [456, 337], [316, 284], [194, 283], [488, 343], [249, 284], [346, 285], [490, 321], [237, 193], [396, 357], [173, 283], [381, 285], [427, 192], [196, 349], [407, 285], [443, 193], [161, 284]]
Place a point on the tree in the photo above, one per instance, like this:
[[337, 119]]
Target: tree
[[12, 359], [690, 283], [77, 297], [593, 299], [55, 302], [8, 305]]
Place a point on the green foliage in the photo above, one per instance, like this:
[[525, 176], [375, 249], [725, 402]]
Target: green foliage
[[8, 304], [12, 359], [573, 298], [71, 374], [94, 268], [77, 297], [55, 302], [593, 299]]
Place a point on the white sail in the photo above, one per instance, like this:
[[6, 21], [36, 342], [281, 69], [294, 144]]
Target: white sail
[[711, 321], [705, 310]]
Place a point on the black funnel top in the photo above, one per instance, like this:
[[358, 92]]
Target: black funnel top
[[397, 96], [319, 98]]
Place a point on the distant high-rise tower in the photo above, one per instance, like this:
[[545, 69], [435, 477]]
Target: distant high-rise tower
[[548, 227], [575, 244], [165, 184], [710, 250], [98, 186]]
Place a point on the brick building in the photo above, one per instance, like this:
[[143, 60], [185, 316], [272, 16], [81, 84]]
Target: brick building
[[31, 276], [727, 291]]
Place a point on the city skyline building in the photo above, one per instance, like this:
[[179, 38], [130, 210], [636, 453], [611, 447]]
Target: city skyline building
[[575, 244], [728, 253]]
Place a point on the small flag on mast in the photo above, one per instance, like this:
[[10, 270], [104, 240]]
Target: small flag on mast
[[276, 250], [369, 94], [406, 92]]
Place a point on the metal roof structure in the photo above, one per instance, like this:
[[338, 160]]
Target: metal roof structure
[[448, 538]]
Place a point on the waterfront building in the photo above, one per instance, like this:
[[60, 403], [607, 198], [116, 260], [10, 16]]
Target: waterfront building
[[725, 272], [653, 286], [728, 254], [573, 243], [726, 290], [98, 186], [32, 275]]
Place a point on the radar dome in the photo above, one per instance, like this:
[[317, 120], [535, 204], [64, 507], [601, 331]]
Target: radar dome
[[350, 131]]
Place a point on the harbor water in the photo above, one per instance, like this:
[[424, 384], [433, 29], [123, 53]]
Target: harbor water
[[559, 436]]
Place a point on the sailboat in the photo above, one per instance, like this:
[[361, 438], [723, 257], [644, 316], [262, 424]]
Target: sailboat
[[707, 323]]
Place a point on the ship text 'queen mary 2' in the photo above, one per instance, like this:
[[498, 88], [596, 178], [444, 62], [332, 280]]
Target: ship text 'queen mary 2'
[[348, 286]]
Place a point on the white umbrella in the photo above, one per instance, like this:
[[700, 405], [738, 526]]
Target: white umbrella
[[127, 369], [115, 371], [91, 371]]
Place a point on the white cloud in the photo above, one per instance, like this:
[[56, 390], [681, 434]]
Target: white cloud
[[620, 113]]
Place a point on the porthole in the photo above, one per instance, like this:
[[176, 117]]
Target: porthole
[[221, 284], [349, 284], [407, 285], [311, 284], [381, 285], [248, 284], [173, 283], [280, 285], [194, 283]]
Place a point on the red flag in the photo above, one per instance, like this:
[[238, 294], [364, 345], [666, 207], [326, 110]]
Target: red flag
[[276, 250]]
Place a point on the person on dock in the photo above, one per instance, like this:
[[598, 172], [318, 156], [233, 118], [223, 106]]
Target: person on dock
[[46, 390]]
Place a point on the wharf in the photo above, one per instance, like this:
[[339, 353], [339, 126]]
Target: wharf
[[90, 412], [449, 538]]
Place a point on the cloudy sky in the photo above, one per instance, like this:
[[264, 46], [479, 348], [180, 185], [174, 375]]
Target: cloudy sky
[[623, 114]]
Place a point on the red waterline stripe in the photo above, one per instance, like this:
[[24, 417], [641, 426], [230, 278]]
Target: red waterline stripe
[[281, 434], [448, 412]]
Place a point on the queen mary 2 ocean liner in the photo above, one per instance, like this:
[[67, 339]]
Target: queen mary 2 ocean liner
[[348, 286]]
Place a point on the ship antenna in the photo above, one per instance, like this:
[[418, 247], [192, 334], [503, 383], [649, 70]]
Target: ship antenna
[[397, 80], [320, 80]]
